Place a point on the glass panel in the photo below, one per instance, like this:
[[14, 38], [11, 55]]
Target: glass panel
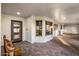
[[16, 24], [39, 28], [61, 27], [16, 36], [48, 27], [16, 30], [55, 26]]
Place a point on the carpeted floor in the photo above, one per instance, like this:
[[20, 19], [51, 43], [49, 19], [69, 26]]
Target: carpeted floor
[[73, 40], [51, 48]]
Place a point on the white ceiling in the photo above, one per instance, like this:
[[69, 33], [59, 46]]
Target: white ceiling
[[43, 9]]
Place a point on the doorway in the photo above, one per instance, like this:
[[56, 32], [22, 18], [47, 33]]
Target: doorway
[[16, 31]]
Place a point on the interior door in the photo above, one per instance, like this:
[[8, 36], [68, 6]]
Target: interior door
[[16, 31]]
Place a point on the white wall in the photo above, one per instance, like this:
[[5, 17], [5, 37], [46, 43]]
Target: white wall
[[6, 25], [72, 29], [0, 28], [43, 38], [28, 29], [31, 30]]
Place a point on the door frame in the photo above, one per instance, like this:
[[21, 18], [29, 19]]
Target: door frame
[[12, 29]]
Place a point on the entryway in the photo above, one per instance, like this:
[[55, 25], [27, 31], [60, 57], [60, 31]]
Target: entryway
[[16, 31]]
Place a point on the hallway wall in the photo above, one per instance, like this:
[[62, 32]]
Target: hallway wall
[[6, 25], [73, 28], [28, 28], [43, 38], [0, 28], [31, 30]]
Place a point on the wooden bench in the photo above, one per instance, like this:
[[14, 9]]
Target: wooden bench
[[10, 49]]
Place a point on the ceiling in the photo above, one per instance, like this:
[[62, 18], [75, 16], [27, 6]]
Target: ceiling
[[64, 12]]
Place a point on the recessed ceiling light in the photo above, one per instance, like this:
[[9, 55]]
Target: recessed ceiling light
[[18, 13]]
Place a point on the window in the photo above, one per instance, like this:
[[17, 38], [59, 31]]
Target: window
[[48, 27], [39, 28], [61, 27], [55, 26]]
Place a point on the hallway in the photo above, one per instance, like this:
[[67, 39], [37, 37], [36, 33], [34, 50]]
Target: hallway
[[38, 29]]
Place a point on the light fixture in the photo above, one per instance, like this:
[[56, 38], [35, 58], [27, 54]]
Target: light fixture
[[18, 13]]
